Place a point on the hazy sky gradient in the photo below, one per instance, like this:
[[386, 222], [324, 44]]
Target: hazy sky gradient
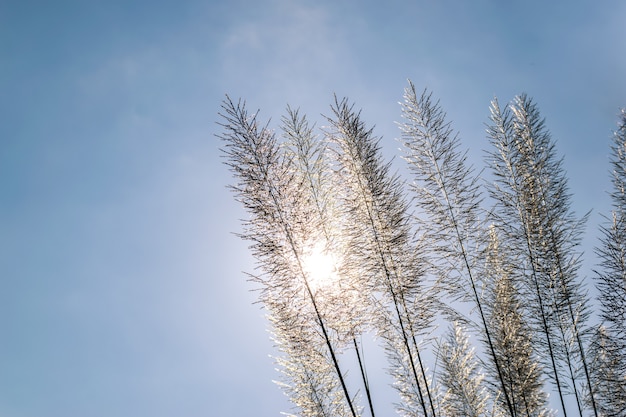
[[122, 290]]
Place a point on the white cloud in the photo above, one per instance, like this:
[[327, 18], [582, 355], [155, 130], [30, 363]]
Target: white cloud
[[292, 50]]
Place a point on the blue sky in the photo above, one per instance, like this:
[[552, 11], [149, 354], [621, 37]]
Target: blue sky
[[121, 284]]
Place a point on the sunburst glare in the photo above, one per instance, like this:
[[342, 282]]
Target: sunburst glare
[[320, 267]]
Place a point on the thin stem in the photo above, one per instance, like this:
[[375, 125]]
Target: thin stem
[[464, 254], [298, 130], [364, 376], [396, 299], [441, 181], [239, 119]]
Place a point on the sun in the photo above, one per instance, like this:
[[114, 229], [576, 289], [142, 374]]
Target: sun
[[320, 267]]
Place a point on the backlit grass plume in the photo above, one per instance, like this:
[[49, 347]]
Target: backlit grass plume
[[351, 257]]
